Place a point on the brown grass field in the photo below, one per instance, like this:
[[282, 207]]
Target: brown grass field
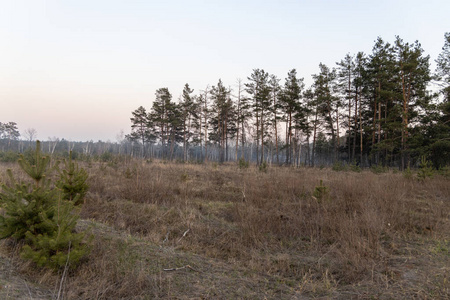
[[182, 231]]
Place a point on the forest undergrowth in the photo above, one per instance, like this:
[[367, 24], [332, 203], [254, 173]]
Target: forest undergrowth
[[166, 230]]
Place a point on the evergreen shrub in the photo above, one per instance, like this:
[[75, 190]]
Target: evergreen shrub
[[321, 192], [72, 181], [37, 214], [425, 170], [243, 164]]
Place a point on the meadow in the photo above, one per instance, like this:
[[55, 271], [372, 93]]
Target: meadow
[[211, 231]]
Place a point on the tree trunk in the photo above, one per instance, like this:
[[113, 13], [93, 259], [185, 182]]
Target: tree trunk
[[205, 110], [314, 140], [355, 125], [262, 137], [290, 139], [406, 90], [360, 132], [349, 114], [257, 138]]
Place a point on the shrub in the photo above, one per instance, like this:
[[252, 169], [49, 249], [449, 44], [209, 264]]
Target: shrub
[[37, 214], [355, 168], [444, 171], [339, 166], [379, 169], [426, 169], [58, 245], [72, 182], [243, 164], [9, 156], [408, 174], [263, 167], [106, 157], [321, 192]]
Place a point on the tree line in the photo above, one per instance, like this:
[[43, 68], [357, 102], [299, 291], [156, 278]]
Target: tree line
[[369, 109]]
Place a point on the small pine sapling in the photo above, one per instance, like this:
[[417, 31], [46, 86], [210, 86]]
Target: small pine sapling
[[426, 169], [72, 181], [243, 164], [321, 192], [37, 214], [408, 173], [59, 245], [263, 167], [27, 205]]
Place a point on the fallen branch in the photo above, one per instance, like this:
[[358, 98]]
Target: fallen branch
[[181, 268], [184, 234]]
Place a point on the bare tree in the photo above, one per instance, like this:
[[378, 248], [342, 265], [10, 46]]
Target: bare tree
[[30, 134], [53, 141]]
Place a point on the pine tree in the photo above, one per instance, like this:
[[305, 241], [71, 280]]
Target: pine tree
[[188, 113], [259, 89], [223, 120], [414, 76], [37, 214], [443, 68], [72, 182], [327, 103], [59, 244], [174, 127], [141, 127], [310, 122], [440, 128], [243, 114], [160, 118], [275, 91], [346, 70], [10, 132], [290, 101], [360, 66], [382, 107]]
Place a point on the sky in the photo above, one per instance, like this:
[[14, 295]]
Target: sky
[[76, 69]]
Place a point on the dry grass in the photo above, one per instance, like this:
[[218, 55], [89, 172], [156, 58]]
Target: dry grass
[[374, 235]]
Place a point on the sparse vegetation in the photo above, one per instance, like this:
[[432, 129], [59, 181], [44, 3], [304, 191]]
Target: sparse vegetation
[[263, 232]]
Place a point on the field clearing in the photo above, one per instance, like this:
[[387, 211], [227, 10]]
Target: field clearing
[[183, 231]]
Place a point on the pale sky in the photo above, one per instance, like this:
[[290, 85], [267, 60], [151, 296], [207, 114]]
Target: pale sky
[[76, 69]]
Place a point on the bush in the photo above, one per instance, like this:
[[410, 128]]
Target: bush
[[426, 169], [263, 167], [408, 174], [444, 171], [355, 168], [72, 182], [106, 157], [339, 166], [36, 213], [58, 245], [379, 169], [321, 192], [243, 164], [9, 156]]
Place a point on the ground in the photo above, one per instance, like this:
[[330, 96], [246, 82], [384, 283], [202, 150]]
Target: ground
[[177, 231]]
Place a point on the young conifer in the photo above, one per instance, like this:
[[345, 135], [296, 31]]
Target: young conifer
[[36, 213], [26, 205], [72, 182]]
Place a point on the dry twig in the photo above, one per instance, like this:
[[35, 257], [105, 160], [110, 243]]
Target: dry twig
[[181, 268], [184, 234]]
